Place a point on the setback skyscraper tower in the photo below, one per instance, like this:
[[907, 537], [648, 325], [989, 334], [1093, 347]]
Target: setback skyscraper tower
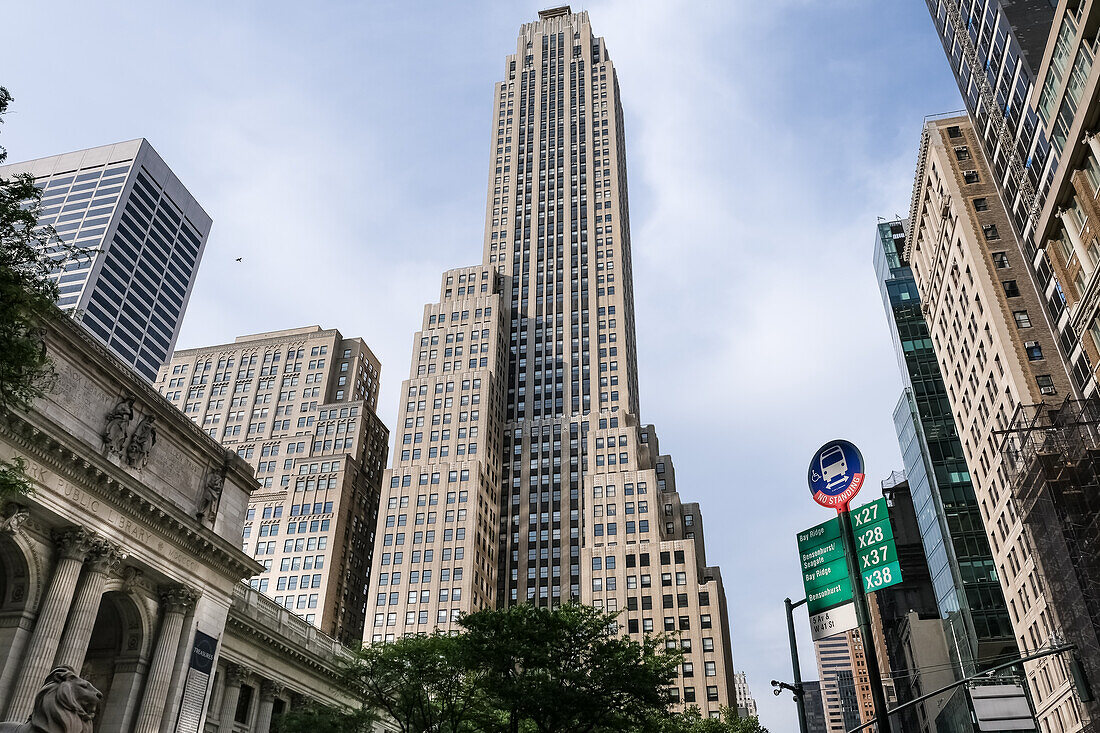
[[522, 472]]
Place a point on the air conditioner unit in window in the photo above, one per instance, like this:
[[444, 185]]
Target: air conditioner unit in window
[[1046, 390], [1031, 344]]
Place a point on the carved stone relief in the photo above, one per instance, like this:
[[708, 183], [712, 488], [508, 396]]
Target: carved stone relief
[[142, 442], [116, 426], [212, 492]]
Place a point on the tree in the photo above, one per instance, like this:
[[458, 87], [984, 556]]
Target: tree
[[314, 718], [422, 683], [564, 669], [692, 721], [28, 253]]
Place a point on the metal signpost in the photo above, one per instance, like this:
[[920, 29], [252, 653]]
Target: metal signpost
[[845, 558]]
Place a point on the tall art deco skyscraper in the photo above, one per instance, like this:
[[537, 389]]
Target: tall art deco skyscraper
[[522, 472]]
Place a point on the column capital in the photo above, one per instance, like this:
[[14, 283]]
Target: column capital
[[72, 543], [131, 576], [269, 689], [235, 674], [177, 598], [103, 555]]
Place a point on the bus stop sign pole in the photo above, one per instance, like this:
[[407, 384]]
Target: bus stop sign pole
[[835, 476]]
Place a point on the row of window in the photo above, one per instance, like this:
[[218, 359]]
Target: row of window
[[446, 595], [414, 617], [417, 577]]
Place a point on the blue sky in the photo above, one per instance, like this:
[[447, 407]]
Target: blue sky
[[342, 150]]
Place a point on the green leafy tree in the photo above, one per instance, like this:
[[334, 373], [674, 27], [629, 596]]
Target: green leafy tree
[[26, 293], [693, 721], [423, 684], [565, 670], [314, 718], [28, 254]]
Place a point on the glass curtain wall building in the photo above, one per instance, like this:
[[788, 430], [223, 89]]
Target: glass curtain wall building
[[147, 232], [977, 624]]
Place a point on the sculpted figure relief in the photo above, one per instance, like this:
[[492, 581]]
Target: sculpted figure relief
[[116, 424], [211, 497], [16, 516], [66, 703], [142, 442]]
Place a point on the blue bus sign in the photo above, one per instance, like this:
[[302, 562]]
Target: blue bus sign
[[835, 474]]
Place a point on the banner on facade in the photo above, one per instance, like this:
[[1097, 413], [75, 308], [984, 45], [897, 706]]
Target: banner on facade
[[203, 652]]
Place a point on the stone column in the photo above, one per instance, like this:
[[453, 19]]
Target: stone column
[[72, 545], [175, 602], [1075, 239], [268, 692], [234, 678], [1094, 144], [102, 558]]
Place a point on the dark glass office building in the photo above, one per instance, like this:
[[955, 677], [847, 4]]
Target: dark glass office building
[[124, 203], [977, 624]]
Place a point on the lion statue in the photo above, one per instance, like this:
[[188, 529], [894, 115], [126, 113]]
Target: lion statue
[[66, 703]]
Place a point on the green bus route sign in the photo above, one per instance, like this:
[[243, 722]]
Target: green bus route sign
[[875, 546], [824, 566]]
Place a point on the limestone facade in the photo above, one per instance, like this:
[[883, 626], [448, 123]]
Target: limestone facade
[[996, 350], [299, 406], [107, 566]]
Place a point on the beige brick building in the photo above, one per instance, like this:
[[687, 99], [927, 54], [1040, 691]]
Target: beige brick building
[[299, 406], [522, 472], [997, 351], [845, 685]]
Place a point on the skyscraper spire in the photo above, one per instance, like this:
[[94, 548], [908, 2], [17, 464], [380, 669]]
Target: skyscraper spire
[[522, 472]]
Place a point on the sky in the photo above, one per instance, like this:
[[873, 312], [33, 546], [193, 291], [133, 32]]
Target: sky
[[342, 149]]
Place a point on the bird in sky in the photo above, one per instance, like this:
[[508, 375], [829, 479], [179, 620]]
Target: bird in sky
[[239, 259]]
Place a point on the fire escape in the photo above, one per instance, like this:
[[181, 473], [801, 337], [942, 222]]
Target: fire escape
[[1052, 453]]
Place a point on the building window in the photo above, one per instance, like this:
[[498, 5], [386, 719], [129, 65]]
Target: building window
[[1000, 260], [1023, 320], [1046, 383], [962, 153], [971, 176], [954, 131], [1034, 351], [244, 702], [981, 204], [990, 231], [1012, 290]]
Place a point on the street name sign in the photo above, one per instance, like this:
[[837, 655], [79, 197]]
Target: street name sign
[[826, 580], [834, 621]]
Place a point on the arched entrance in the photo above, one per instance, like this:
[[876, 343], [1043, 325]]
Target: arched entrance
[[115, 661], [18, 596]]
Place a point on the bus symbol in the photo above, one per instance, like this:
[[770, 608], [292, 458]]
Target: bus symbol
[[834, 467]]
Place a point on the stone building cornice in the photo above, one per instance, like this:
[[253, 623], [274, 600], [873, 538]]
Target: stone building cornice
[[254, 344], [314, 650], [63, 327], [93, 474], [918, 190]]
